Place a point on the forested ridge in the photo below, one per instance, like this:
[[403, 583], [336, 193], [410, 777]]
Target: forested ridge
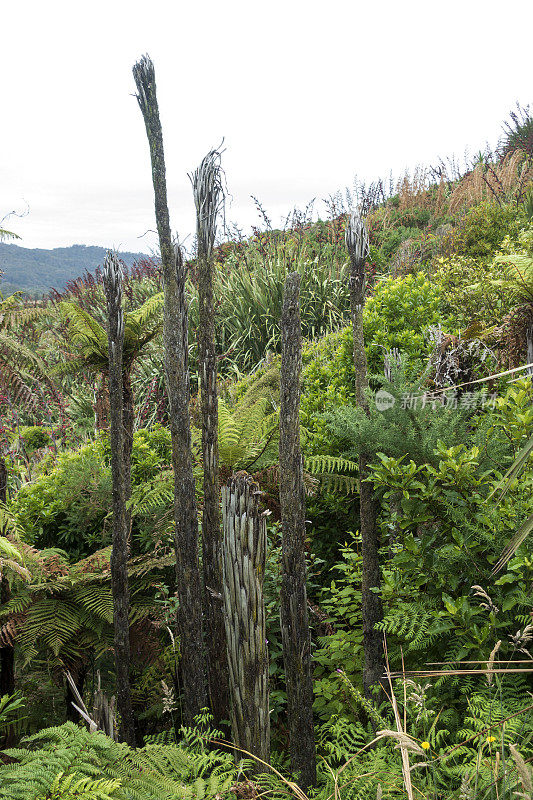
[[36, 271], [266, 512]]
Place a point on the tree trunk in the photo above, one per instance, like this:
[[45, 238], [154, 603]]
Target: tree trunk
[[371, 607], [7, 652], [294, 613], [101, 405], [121, 492], [128, 412], [244, 559], [175, 338], [206, 195], [529, 347]]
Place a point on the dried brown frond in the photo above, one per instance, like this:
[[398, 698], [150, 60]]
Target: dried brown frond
[[511, 335], [246, 790], [8, 632]]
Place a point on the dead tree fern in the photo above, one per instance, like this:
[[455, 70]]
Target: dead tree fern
[[244, 561], [208, 200], [121, 493], [178, 387], [371, 608], [294, 615]]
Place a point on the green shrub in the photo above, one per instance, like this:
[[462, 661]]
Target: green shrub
[[35, 437], [397, 315], [481, 231], [70, 506], [468, 292]]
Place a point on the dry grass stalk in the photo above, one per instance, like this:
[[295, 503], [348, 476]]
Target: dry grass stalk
[[502, 181], [412, 190], [490, 662], [523, 771], [406, 771], [448, 672]]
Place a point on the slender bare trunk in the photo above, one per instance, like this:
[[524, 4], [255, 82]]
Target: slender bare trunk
[[529, 347], [294, 613], [121, 492], [207, 191], [244, 559], [175, 338], [371, 607], [128, 420]]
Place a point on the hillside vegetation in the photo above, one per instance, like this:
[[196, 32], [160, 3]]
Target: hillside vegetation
[[442, 433], [36, 271]]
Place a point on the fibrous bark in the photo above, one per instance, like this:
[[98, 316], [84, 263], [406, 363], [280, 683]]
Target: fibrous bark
[[294, 612], [175, 338], [244, 559], [371, 607], [121, 492], [208, 196], [101, 405]]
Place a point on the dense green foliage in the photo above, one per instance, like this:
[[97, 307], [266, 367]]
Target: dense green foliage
[[448, 314]]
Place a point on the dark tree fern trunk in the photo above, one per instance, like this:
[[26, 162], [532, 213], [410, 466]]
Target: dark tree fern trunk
[[244, 559], [7, 651], [371, 607], [175, 338], [128, 414], [121, 492], [101, 405], [294, 613], [208, 196]]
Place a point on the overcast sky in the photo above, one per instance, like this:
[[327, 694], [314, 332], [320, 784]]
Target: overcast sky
[[306, 94]]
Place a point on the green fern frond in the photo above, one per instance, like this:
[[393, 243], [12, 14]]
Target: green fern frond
[[336, 474], [61, 756], [86, 335], [148, 497], [245, 433]]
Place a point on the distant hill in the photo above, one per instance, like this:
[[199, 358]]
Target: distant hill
[[37, 271]]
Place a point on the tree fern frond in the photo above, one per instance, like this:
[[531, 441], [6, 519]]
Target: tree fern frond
[[13, 311], [245, 432], [334, 472], [160, 493], [87, 335], [149, 314]]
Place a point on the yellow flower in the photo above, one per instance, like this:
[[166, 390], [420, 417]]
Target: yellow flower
[[490, 739], [425, 745]]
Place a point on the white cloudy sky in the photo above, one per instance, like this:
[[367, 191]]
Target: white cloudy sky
[[307, 94]]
